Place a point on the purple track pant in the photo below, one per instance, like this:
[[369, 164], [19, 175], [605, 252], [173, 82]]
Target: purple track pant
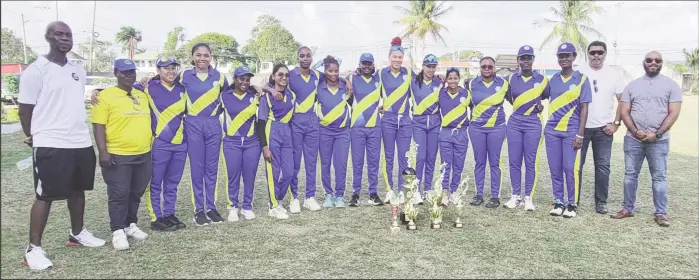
[[242, 156], [365, 139], [281, 169], [487, 144], [523, 141], [397, 131], [203, 135], [335, 151], [563, 161], [304, 128], [168, 165], [453, 145], [426, 135]]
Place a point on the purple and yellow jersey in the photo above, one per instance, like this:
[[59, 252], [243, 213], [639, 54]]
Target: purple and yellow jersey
[[486, 101], [367, 93], [396, 90], [332, 107], [453, 107], [167, 109], [305, 89], [525, 93], [239, 113], [203, 91], [281, 110], [566, 96], [425, 97]]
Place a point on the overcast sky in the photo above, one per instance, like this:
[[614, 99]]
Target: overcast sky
[[347, 29]]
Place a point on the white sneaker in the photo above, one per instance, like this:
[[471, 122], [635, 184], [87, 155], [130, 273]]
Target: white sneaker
[[247, 214], [278, 213], [233, 214], [514, 202], [84, 238], [281, 208], [119, 240], [295, 206], [387, 200], [528, 203], [417, 199], [311, 204], [445, 200], [570, 212], [36, 258], [401, 198], [134, 232], [453, 198], [557, 209]]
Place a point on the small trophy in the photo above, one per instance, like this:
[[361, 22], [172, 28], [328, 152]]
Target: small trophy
[[409, 187], [434, 196], [461, 193], [395, 225]]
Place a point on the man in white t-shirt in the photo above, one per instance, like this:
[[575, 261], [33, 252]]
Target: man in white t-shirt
[[52, 113], [607, 85]]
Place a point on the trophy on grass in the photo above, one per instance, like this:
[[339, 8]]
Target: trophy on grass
[[410, 184], [395, 225], [434, 197], [461, 193]]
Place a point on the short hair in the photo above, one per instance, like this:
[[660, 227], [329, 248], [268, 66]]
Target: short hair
[[487, 57], [52, 25], [597, 44]]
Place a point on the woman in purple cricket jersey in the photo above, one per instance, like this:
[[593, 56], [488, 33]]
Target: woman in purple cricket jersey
[[487, 129], [274, 132], [453, 135], [241, 146]]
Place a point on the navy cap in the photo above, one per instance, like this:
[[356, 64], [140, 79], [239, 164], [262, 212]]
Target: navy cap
[[430, 59], [525, 50], [566, 48], [366, 57], [242, 71], [166, 62], [124, 65]]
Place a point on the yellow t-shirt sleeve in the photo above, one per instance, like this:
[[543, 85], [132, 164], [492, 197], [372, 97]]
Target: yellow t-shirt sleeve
[[100, 112]]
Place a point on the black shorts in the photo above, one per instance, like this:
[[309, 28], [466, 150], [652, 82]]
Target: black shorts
[[58, 173]]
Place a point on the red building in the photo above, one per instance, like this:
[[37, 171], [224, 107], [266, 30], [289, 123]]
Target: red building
[[15, 68]]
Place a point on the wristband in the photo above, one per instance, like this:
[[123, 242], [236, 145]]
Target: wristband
[[581, 137]]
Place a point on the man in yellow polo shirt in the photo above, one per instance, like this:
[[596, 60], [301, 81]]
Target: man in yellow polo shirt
[[121, 124]]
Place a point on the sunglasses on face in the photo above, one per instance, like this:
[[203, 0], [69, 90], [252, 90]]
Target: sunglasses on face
[[487, 67], [593, 53], [657, 60]]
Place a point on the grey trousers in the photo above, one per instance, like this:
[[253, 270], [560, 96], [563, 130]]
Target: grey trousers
[[126, 182]]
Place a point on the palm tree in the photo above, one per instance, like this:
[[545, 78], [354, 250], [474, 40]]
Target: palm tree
[[573, 18], [420, 20], [691, 59], [123, 37]]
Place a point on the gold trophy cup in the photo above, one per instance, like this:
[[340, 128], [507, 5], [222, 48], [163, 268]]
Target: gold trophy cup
[[461, 191], [434, 197]]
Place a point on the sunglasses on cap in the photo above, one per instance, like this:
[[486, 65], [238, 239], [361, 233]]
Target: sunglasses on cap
[[596, 52], [397, 48], [657, 60], [431, 59], [453, 69]]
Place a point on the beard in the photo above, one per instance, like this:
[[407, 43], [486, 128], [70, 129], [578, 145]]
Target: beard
[[652, 73]]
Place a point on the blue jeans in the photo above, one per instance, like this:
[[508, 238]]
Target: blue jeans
[[656, 153], [602, 156]]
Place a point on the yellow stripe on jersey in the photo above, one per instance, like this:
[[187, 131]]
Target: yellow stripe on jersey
[[166, 116], [456, 113], [333, 115], [563, 100], [529, 95], [492, 100], [429, 100], [390, 99], [205, 100], [241, 118], [365, 103]]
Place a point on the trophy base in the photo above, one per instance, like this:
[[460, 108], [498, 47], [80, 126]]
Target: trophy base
[[403, 218], [435, 226], [411, 227], [458, 225]]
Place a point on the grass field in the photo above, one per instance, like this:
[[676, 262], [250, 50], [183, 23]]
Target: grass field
[[358, 243]]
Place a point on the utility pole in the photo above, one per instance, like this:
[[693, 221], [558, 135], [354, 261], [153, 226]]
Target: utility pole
[[92, 35], [616, 36], [24, 41], [56, 10]]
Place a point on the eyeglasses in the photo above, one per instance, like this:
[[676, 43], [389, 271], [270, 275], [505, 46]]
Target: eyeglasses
[[593, 53], [487, 67], [283, 75], [594, 83], [133, 98], [657, 60]]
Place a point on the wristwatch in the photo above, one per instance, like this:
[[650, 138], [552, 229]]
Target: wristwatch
[[658, 135], [617, 123]]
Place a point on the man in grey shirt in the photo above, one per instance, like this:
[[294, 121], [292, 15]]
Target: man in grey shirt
[[649, 107]]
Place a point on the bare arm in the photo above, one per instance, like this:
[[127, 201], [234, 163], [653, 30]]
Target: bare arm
[[618, 108], [25, 118], [673, 112], [105, 159]]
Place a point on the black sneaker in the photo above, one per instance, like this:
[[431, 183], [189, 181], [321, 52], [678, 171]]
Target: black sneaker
[[200, 219], [557, 209], [162, 224], [172, 219], [601, 208], [354, 201], [493, 203], [571, 211], [477, 200], [214, 216], [375, 200]]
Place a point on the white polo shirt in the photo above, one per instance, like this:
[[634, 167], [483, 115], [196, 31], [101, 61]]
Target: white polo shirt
[[58, 92], [605, 83]]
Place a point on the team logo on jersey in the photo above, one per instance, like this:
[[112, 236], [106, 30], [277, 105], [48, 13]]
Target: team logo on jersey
[[497, 88], [571, 87], [376, 84], [181, 94], [75, 76], [405, 77], [462, 99], [215, 83], [344, 96], [537, 84], [252, 99]]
